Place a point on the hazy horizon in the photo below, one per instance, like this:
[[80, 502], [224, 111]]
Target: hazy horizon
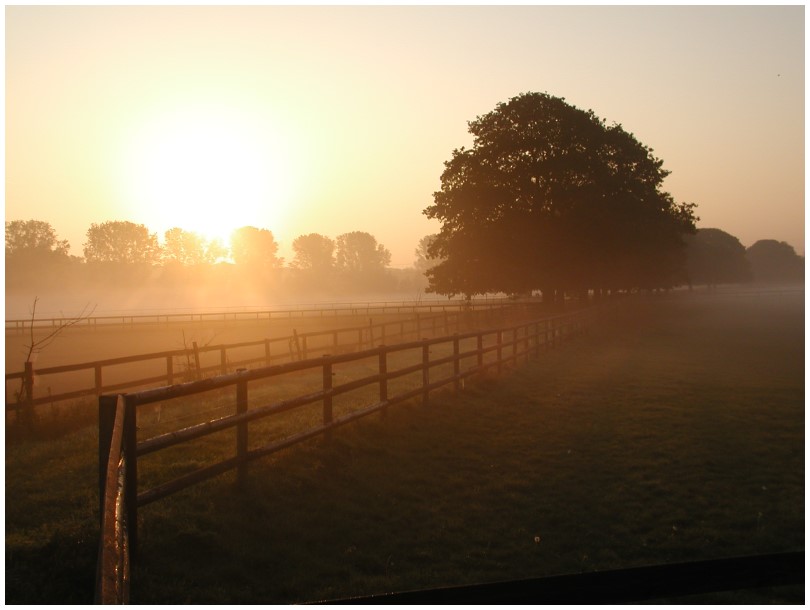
[[335, 119]]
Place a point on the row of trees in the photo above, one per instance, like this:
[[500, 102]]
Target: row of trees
[[125, 252], [130, 243], [716, 257]]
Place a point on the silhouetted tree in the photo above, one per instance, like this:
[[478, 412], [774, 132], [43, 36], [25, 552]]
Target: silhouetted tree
[[551, 198], [313, 253], [775, 261], [190, 248], [358, 252], [121, 242], [36, 259], [424, 260], [34, 238], [715, 257], [361, 262], [252, 247]]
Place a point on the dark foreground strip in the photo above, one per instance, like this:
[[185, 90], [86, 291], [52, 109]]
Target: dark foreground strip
[[616, 586]]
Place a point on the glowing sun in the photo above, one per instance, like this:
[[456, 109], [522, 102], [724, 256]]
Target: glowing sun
[[208, 170]]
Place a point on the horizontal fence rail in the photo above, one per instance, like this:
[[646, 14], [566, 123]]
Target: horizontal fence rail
[[377, 368], [196, 362], [251, 315]]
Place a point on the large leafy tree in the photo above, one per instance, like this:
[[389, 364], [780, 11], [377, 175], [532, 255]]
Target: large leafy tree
[[313, 253], [358, 252], [257, 248], [121, 242], [775, 261], [715, 257], [550, 197], [34, 238], [189, 248]]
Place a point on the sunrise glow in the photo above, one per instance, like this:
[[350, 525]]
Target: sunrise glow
[[205, 169]]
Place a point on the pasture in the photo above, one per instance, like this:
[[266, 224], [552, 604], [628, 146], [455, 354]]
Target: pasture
[[673, 431]]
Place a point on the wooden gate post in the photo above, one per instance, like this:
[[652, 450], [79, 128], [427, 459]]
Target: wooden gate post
[[106, 421], [131, 460]]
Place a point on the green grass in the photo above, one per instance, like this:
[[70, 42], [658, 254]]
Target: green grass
[[673, 431]]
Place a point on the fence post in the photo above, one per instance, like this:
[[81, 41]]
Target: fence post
[[241, 431], [327, 395], [106, 421], [131, 460], [456, 365], [384, 377], [196, 360], [425, 371], [98, 379], [25, 401]]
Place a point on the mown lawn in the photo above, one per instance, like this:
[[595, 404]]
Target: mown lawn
[[673, 431]]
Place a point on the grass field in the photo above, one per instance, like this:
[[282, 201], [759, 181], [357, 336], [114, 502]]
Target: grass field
[[674, 431]]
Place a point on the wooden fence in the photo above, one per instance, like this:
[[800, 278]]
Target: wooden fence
[[119, 424], [251, 315], [196, 362]]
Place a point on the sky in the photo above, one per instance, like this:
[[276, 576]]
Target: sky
[[331, 119]]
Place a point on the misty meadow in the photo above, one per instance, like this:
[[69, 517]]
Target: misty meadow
[[298, 317]]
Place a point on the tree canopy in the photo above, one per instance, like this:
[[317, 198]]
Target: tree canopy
[[190, 248], [34, 238], [358, 252], [313, 252], [252, 247], [550, 197], [121, 242], [715, 257], [775, 261]]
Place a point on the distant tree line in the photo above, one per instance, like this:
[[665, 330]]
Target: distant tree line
[[120, 252]]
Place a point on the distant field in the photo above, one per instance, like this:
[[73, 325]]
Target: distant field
[[672, 432]]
